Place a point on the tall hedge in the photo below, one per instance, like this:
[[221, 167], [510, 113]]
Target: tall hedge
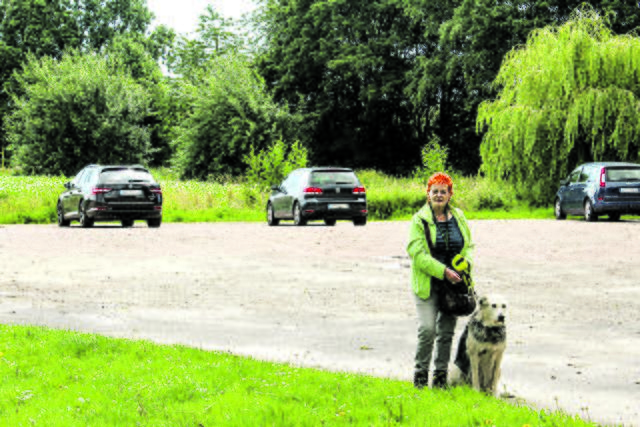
[[230, 112], [76, 111]]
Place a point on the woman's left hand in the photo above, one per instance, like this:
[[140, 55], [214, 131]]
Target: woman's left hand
[[452, 276]]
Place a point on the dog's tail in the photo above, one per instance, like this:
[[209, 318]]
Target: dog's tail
[[462, 357]]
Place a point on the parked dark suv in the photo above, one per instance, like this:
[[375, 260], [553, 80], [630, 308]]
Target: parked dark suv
[[122, 193], [327, 194], [594, 189]]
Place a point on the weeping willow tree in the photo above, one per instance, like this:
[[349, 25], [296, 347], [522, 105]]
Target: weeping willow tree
[[570, 95]]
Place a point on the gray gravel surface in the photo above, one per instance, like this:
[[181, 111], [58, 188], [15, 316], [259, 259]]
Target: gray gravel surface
[[338, 297]]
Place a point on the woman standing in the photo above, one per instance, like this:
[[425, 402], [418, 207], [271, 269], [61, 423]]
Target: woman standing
[[430, 270]]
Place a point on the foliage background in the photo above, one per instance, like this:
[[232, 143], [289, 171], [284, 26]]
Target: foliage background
[[571, 95], [362, 84], [74, 112]]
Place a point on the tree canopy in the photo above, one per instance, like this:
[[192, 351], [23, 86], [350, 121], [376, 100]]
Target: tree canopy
[[76, 111], [229, 113], [571, 95], [344, 64], [49, 28]]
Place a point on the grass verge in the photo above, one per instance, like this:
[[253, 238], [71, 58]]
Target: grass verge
[[63, 378]]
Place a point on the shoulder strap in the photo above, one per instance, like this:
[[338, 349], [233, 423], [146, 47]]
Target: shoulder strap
[[427, 233]]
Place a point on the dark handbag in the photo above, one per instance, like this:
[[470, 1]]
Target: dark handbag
[[456, 299]]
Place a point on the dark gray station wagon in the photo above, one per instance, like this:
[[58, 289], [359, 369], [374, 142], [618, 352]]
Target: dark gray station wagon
[[604, 188], [327, 194], [122, 193]]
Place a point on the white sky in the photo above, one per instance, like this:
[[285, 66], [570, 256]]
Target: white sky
[[182, 15]]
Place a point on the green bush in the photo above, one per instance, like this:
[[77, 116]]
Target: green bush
[[490, 195], [230, 112], [270, 166], [434, 159], [76, 111]]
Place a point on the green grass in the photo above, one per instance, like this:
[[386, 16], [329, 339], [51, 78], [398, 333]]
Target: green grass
[[63, 378], [25, 199]]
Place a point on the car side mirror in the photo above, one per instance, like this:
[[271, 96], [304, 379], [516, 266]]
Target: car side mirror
[[275, 187], [67, 185], [564, 181]]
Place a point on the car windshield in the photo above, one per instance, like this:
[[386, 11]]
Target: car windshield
[[623, 174], [333, 178], [124, 175]]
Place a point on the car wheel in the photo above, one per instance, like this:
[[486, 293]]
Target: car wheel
[[330, 222], [614, 217], [297, 215], [85, 221], [360, 221], [154, 222], [271, 216], [589, 215], [61, 221], [558, 210], [127, 222]]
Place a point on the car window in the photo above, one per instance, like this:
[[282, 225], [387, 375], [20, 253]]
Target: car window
[[621, 174], [320, 178], [287, 182], [78, 178], [573, 178], [584, 175], [87, 178], [125, 176]]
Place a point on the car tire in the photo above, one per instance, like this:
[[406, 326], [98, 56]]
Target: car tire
[[360, 221], [61, 221], [589, 215], [614, 217], [154, 222], [127, 223], [85, 221], [297, 215], [271, 216], [330, 222], [559, 213]]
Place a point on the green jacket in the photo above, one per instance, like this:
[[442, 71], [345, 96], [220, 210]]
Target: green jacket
[[423, 265]]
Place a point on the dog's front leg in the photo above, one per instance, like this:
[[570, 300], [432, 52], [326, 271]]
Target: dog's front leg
[[474, 358], [497, 371]]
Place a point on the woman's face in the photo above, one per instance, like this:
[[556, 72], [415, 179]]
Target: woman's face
[[439, 196]]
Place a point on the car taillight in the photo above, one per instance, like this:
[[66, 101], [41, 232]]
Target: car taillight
[[100, 190], [603, 173], [359, 190], [312, 190], [156, 190]]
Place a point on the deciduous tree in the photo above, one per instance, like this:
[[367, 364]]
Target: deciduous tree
[[571, 95], [75, 111], [230, 112]]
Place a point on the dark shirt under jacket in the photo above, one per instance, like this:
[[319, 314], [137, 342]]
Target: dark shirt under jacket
[[449, 243]]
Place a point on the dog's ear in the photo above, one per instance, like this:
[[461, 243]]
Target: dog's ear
[[483, 301]]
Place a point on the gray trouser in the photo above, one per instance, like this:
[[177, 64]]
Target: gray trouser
[[433, 326]]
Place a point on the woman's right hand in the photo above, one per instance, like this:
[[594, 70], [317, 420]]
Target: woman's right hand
[[452, 276]]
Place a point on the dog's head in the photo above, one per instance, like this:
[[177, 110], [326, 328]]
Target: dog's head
[[492, 310]]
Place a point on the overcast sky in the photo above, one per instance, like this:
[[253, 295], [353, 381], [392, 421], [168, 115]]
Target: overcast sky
[[182, 15]]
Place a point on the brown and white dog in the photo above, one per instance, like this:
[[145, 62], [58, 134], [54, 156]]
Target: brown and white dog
[[481, 346]]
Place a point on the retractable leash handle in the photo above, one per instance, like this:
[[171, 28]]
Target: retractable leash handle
[[461, 266]]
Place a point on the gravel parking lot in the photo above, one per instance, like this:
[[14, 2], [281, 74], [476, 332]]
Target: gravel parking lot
[[338, 297]]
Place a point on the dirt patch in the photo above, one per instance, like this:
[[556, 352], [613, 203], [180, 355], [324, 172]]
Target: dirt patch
[[338, 297]]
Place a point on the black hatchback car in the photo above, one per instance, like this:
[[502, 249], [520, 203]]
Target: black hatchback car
[[604, 188], [122, 193], [320, 193]]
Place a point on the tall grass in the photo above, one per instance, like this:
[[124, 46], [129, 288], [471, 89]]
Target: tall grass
[[65, 379], [33, 199]]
